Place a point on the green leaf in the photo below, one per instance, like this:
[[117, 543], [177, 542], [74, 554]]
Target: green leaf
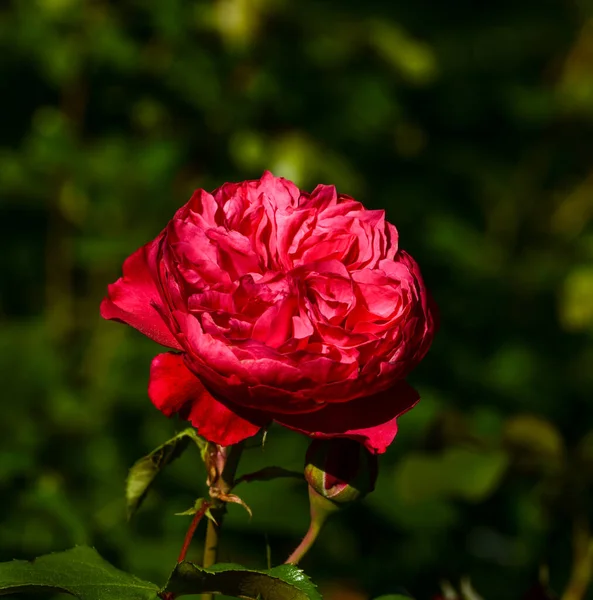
[[145, 470], [286, 582], [80, 572]]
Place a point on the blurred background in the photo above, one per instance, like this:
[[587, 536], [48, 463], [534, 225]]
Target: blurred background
[[472, 126]]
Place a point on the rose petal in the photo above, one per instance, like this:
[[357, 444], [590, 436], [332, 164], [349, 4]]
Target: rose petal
[[204, 208], [372, 421], [282, 192], [173, 388], [172, 385], [274, 326], [235, 253], [320, 198], [134, 298]]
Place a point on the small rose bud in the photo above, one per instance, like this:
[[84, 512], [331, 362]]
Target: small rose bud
[[340, 470]]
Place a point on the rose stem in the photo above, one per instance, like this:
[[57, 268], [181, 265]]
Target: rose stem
[[224, 484], [321, 508], [306, 543], [211, 543], [192, 529]]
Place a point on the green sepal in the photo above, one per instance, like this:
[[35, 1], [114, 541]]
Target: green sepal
[[208, 514], [193, 510], [286, 582]]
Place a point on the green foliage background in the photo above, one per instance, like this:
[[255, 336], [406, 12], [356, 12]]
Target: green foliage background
[[471, 124]]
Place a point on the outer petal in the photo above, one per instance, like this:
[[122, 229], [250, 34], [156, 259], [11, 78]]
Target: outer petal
[[372, 421], [134, 299], [173, 388]]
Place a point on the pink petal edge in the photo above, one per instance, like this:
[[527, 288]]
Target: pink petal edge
[[133, 297]]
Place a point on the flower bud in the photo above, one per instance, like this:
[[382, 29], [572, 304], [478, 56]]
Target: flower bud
[[340, 470]]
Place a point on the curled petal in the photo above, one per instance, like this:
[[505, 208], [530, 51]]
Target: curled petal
[[134, 298]]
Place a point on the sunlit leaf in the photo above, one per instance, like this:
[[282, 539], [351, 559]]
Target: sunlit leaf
[[286, 582], [80, 572]]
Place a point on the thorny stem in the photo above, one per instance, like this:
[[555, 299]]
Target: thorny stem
[[192, 530], [187, 541], [221, 464], [211, 543]]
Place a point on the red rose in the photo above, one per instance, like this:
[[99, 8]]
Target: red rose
[[285, 306]]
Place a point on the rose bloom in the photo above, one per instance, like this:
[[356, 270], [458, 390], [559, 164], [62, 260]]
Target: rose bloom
[[280, 306]]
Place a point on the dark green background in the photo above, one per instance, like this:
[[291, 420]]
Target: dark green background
[[470, 123]]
